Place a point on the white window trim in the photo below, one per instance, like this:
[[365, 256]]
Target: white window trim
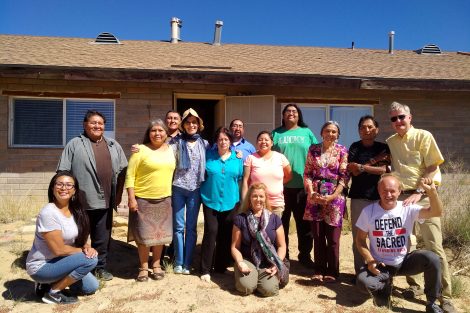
[[11, 116]]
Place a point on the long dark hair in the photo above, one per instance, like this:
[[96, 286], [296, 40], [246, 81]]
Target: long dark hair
[[75, 207], [301, 122]]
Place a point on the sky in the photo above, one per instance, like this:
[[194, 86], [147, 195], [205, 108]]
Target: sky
[[321, 23]]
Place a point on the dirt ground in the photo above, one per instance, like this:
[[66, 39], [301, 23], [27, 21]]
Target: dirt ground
[[177, 293]]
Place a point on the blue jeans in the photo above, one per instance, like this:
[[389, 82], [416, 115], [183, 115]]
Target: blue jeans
[[184, 244], [77, 266]]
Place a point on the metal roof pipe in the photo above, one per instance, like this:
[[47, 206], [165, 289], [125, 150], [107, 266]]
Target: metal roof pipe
[[391, 38], [218, 33], [176, 24]]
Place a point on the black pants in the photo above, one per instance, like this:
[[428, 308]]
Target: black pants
[[217, 238], [295, 200], [101, 221], [418, 261]]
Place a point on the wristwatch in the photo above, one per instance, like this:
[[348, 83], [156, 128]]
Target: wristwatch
[[361, 168], [421, 191]]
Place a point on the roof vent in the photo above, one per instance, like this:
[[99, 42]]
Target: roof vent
[[176, 25], [430, 49], [107, 38]]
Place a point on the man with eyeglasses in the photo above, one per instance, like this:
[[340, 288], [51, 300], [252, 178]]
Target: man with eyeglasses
[[239, 142], [415, 155], [99, 163]]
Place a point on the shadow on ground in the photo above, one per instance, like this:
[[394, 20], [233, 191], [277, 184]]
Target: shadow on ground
[[20, 289]]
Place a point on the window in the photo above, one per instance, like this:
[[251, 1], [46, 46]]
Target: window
[[315, 115], [53, 122]]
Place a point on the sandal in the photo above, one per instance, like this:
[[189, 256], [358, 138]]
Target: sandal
[[329, 279], [143, 278], [317, 278], [157, 273]]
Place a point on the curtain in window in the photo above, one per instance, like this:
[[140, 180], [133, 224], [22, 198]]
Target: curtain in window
[[348, 117]]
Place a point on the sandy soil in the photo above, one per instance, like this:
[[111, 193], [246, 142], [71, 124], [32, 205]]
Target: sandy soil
[[177, 293]]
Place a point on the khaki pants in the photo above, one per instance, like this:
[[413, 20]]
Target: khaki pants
[[258, 280], [431, 232]]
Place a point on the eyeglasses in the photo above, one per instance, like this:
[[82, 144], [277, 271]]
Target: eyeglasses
[[291, 111], [400, 117], [67, 186]]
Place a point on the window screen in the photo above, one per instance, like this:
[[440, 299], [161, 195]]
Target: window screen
[[37, 122], [53, 122], [76, 110]]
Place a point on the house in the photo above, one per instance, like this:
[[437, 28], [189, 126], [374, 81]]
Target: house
[[47, 83]]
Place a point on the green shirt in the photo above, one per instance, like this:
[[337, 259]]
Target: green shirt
[[294, 145]]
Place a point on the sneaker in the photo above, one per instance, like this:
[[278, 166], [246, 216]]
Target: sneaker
[[206, 278], [382, 298], [448, 307], [103, 274], [185, 271], [433, 308], [178, 269], [41, 289], [412, 292], [58, 298]]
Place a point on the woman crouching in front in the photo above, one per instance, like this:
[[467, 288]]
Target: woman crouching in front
[[258, 246], [60, 256]]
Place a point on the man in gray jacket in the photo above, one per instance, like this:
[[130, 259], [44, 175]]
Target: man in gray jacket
[[99, 163]]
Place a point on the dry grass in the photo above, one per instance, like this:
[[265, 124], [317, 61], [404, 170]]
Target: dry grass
[[17, 208], [5, 309], [455, 195], [65, 308]]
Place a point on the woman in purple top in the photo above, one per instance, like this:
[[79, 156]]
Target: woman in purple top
[[258, 246], [325, 178]]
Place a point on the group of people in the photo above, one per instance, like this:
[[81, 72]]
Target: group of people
[[248, 195]]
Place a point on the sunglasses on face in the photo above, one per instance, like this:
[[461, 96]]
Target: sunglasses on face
[[400, 117]]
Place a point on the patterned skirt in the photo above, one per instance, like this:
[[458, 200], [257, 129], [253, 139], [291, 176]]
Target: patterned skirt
[[152, 224]]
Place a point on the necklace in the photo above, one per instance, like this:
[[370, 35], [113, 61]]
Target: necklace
[[326, 155]]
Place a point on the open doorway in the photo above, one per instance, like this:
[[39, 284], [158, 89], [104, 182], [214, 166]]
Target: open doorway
[[207, 109]]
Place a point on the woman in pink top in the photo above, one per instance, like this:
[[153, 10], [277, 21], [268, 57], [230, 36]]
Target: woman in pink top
[[270, 168]]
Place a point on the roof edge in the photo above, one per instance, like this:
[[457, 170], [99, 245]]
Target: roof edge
[[239, 78]]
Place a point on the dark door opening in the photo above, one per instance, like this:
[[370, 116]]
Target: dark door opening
[[205, 109]]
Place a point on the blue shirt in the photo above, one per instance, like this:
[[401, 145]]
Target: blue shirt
[[243, 145], [220, 190]]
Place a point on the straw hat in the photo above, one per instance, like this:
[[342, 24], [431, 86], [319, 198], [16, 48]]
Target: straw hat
[[191, 112]]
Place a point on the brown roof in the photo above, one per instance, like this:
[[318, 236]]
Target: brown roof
[[79, 53]]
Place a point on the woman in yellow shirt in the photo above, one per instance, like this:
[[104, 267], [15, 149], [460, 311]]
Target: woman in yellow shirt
[[148, 182]]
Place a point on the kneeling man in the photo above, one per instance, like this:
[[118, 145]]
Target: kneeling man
[[388, 225]]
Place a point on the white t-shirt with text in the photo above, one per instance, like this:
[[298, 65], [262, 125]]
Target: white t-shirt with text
[[388, 230]]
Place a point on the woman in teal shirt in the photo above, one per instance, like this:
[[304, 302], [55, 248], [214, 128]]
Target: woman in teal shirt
[[220, 194]]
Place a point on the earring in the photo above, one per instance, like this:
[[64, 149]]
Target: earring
[[73, 198]]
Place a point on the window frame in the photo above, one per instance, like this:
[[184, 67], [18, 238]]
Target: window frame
[[327, 107], [11, 119]]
